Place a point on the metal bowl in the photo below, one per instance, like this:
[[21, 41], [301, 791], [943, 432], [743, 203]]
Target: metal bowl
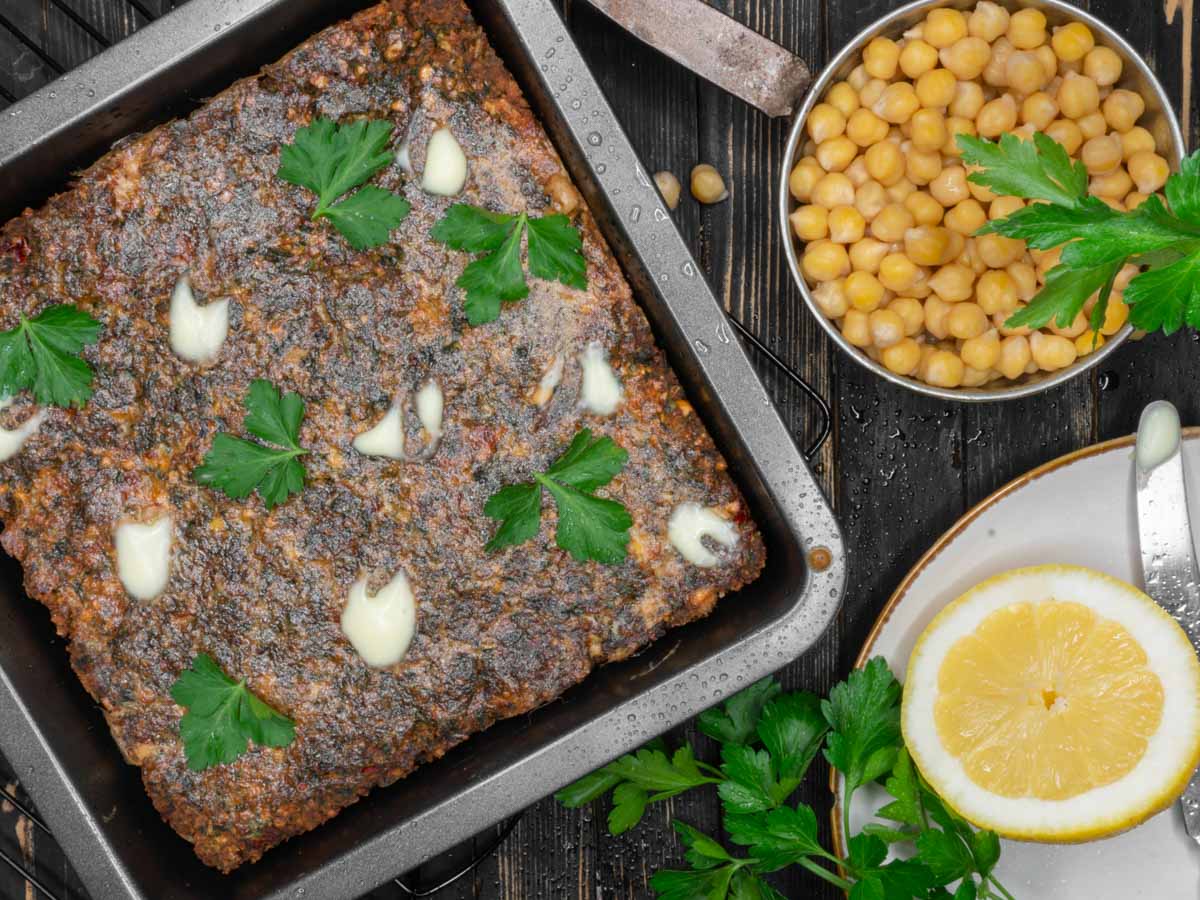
[[1158, 118]]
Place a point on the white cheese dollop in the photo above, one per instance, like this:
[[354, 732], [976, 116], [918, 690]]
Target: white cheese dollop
[[13, 439], [144, 557], [386, 438], [689, 523], [197, 332], [429, 410], [445, 164], [549, 383], [601, 389], [380, 627]]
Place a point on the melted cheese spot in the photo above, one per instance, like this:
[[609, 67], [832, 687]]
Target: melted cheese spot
[[445, 164], [13, 439], [381, 627], [549, 383], [386, 438], [429, 410], [197, 332], [601, 389], [144, 557], [690, 523]]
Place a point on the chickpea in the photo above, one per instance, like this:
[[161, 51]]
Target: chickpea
[[1039, 110], [1024, 276], [922, 166], [833, 189], [809, 223], [1122, 109], [1089, 342], [856, 328], [925, 210], [709, 187], [1101, 154], [866, 254], [885, 162], [966, 320], [950, 186], [900, 190], [1048, 60], [1077, 327], [998, 251], [980, 192], [1051, 351], [830, 296], [997, 117], [1116, 314], [857, 172], [858, 77], [1014, 356], [967, 100], [996, 71], [1125, 275], [1067, 133], [996, 292], [1134, 199], [911, 313], [1027, 29], [1111, 185], [898, 273], [891, 223], [1077, 96], [1003, 207], [824, 122], [843, 98], [897, 103], [902, 357], [954, 283], [1148, 170], [983, 350], [835, 154], [1135, 140], [954, 127], [869, 199], [943, 27], [865, 128], [887, 328], [937, 311], [825, 261], [1045, 260], [846, 225], [804, 177], [1025, 73], [988, 20], [966, 217], [928, 246], [917, 57], [966, 57], [668, 186], [864, 291], [880, 58], [1092, 125], [944, 369], [1103, 66], [928, 129], [970, 257], [1073, 42]]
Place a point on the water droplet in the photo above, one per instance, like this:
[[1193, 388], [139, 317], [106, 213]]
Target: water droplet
[[660, 214], [217, 27], [595, 139], [664, 277], [688, 270], [723, 334], [635, 214], [53, 94], [91, 93], [550, 53], [601, 168], [1109, 380], [576, 103], [701, 346], [641, 176]]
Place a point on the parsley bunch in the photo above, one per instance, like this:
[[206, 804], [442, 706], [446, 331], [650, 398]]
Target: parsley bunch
[[331, 160], [42, 354], [555, 254], [1099, 240], [768, 741]]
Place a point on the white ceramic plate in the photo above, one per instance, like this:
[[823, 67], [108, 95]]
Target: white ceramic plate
[[1077, 509]]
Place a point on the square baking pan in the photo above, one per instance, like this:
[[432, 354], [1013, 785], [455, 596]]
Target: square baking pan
[[55, 735]]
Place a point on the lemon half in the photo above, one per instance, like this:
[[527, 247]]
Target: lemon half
[[1054, 703]]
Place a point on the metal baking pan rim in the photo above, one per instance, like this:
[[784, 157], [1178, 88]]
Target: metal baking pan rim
[[715, 365]]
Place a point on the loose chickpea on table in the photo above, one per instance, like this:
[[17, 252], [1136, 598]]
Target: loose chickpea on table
[[889, 218]]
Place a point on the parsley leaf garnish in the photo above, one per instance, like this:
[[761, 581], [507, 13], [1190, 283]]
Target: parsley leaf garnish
[[768, 740], [1097, 240], [223, 716], [589, 527], [238, 467], [495, 278], [42, 353], [331, 159]]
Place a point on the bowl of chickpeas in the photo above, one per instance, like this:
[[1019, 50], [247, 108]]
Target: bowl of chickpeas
[[880, 220]]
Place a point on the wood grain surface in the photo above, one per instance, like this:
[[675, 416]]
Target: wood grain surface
[[899, 468]]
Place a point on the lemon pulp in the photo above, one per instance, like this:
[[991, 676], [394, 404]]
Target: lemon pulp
[[1047, 700]]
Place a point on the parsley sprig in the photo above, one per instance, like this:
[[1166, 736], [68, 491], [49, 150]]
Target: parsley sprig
[[1099, 240], [42, 354], [223, 716], [555, 254], [238, 467], [331, 160], [768, 739], [589, 527]]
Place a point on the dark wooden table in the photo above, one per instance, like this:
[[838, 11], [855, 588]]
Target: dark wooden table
[[899, 468]]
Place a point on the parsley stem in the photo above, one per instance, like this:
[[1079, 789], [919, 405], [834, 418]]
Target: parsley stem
[[822, 872], [846, 814], [1001, 888], [711, 768]]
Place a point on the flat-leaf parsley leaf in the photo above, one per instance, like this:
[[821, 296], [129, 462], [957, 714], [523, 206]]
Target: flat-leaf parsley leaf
[[331, 159], [555, 254], [42, 354], [238, 467], [589, 527], [223, 716]]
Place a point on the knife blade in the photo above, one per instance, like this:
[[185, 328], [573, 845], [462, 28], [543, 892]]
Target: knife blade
[[1169, 567]]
